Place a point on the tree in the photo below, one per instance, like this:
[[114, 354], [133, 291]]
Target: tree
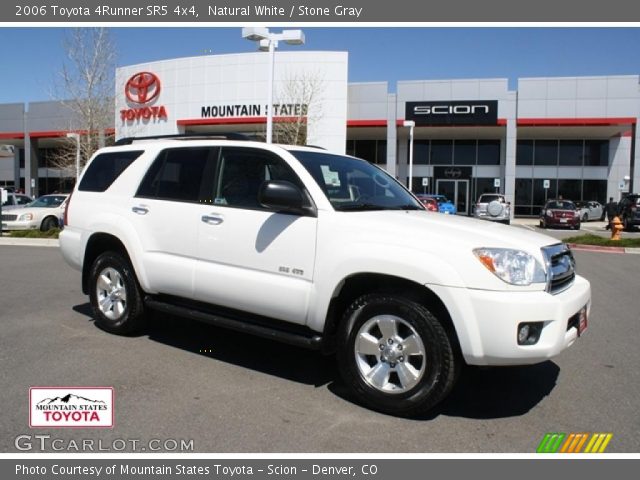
[[85, 88], [298, 105]]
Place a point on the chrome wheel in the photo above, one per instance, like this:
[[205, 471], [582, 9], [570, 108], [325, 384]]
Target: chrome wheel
[[111, 293], [390, 354]]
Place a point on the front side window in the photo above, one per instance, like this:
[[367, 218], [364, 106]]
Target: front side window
[[242, 171], [352, 184]]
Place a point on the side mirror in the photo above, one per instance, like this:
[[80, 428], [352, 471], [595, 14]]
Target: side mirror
[[284, 197]]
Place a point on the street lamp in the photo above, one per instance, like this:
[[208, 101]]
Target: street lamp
[[411, 124], [76, 137], [268, 41]]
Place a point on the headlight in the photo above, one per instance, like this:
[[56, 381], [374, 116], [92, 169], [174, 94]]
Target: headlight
[[25, 217], [511, 266], [549, 213]]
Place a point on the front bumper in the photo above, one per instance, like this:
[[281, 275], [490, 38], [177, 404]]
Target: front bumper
[[487, 322], [16, 225]]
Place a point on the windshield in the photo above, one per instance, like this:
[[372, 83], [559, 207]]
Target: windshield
[[561, 205], [352, 184], [490, 198], [48, 201]]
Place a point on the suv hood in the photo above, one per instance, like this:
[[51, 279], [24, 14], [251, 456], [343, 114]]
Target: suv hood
[[434, 232]]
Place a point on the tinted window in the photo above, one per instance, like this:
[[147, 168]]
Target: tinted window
[[177, 174], [571, 152], [464, 152], [524, 152], [546, 152], [488, 152], [105, 168], [241, 173]]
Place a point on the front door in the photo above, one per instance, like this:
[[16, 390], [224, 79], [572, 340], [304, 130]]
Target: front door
[[457, 191], [248, 255]]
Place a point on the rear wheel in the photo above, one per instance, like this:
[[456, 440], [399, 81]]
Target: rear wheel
[[585, 217], [115, 295], [395, 356]]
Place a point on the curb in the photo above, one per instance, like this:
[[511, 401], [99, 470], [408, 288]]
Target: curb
[[30, 242], [596, 248]]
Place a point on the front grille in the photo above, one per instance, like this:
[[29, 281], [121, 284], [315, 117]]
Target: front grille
[[9, 218], [561, 267]]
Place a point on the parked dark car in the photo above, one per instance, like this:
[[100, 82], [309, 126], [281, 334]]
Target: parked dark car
[[629, 211], [560, 213]]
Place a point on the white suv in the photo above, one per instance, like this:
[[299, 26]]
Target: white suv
[[493, 206], [319, 250]]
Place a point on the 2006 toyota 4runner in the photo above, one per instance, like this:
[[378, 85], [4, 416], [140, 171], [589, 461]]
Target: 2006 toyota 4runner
[[320, 250]]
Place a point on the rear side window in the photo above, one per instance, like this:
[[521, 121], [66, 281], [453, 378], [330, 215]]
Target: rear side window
[[178, 173], [105, 168]]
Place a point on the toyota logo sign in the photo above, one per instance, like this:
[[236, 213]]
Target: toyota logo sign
[[143, 87]]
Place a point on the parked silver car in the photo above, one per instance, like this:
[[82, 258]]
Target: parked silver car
[[590, 211], [493, 206]]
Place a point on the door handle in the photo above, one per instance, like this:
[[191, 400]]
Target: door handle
[[141, 210], [212, 219]]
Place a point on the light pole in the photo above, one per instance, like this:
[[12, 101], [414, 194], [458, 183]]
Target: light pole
[[411, 124], [268, 41], [76, 137]]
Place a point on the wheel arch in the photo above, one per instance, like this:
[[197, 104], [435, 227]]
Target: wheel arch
[[360, 284], [97, 244]]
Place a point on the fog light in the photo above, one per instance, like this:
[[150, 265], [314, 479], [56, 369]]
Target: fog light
[[529, 333]]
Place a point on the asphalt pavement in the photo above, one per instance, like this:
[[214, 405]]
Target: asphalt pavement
[[230, 392]]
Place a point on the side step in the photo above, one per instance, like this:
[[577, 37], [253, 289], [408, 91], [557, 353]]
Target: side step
[[310, 340]]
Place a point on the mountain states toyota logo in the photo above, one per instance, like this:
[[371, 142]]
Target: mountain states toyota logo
[[71, 407], [140, 90]]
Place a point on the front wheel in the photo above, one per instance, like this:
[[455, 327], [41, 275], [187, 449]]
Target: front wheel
[[395, 356], [115, 295]]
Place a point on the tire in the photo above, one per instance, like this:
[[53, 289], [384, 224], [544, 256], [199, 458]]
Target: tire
[[543, 223], [585, 217], [49, 223], [507, 222], [375, 335], [115, 295], [576, 227]]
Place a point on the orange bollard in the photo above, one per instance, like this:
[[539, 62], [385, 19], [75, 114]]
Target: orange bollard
[[616, 228]]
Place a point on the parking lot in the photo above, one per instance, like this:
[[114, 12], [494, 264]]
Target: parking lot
[[234, 393]]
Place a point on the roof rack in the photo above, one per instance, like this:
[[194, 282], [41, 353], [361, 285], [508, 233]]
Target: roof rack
[[188, 136]]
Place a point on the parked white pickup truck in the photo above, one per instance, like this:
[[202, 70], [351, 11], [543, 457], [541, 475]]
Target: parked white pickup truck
[[325, 251]]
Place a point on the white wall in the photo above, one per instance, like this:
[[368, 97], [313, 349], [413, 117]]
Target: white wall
[[188, 84]]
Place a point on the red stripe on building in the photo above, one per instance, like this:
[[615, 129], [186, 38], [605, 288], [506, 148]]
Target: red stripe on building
[[236, 120], [366, 123], [11, 135], [575, 122]]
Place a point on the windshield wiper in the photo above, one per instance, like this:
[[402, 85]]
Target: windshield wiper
[[409, 206], [359, 207]]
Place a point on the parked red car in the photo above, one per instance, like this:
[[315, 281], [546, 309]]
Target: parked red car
[[429, 202], [560, 213]]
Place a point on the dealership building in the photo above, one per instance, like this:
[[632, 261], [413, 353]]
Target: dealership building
[[569, 136]]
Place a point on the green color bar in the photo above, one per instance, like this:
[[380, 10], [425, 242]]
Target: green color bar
[[551, 442]]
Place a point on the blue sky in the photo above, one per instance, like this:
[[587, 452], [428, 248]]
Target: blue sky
[[33, 56]]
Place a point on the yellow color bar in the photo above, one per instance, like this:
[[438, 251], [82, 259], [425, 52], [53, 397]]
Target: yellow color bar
[[606, 441]]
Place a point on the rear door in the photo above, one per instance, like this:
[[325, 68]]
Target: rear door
[[165, 212], [252, 258]]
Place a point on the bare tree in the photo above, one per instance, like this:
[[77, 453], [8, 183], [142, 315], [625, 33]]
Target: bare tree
[[299, 105], [85, 87]]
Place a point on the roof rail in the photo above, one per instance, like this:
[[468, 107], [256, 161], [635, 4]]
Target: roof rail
[[187, 136]]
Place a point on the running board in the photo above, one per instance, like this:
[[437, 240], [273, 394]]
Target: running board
[[310, 341]]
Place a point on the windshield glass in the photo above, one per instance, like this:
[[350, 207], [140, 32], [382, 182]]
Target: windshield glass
[[561, 205], [352, 184], [490, 198], [49, 201]]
